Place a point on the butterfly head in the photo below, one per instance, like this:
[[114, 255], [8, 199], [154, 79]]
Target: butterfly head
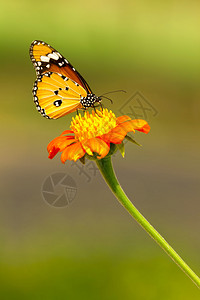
[[90, 100]]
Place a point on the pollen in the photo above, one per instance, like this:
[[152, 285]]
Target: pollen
[[93, 125]]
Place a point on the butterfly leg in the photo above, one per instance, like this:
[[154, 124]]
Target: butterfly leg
[[80, 109], [99, 105], [94, 108]]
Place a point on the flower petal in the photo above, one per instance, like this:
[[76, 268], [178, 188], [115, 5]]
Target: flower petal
[[61, 142], [72, 152], [87, 138], [122, 119], [116, 135], [96, 145], [141, 125], [67, 132], [53, 152]]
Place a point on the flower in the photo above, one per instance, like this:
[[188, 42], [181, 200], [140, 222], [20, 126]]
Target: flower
[[94, 133]]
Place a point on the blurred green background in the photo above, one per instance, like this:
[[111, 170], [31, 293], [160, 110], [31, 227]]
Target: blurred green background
[[92, 249]]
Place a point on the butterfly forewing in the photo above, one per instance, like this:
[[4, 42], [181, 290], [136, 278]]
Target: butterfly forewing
[[46, 59], [56, 95]]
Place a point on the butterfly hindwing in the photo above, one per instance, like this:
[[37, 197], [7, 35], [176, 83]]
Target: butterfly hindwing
[[46, 59], [56, 95]]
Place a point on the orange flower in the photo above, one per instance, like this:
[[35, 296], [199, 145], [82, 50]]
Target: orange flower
[[94, 133]]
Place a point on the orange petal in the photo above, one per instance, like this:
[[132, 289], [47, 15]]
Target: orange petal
[[67, 132], [60, 142], [127, 126], [96, 145], [141, 125], [122, 119], [67, 142], [116, 135], [53, 152], [72, 152]]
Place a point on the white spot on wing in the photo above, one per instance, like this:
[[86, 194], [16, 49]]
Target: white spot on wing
[[53, 55], [58, 54], [44, 58]]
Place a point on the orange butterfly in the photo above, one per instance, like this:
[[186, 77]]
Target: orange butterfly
[[59, 88]]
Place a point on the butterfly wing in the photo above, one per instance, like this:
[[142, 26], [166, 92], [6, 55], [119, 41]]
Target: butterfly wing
[[56, 95], [47, 59]]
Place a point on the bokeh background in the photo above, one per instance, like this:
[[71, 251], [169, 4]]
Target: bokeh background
[[92, 249]]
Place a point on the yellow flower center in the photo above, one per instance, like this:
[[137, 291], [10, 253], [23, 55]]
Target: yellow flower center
[[92, 125]]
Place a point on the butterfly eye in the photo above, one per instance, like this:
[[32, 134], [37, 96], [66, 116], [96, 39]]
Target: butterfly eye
[[57, 103]]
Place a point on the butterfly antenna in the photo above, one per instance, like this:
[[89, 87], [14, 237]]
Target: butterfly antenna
[[107, 98], [113, 92]]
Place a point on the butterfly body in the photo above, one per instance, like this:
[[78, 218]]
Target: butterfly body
[[59, 89]]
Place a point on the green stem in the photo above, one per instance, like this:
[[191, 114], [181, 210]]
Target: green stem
[[105, 166]]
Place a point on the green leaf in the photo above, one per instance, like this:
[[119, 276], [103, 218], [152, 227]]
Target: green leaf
[[130, 139], [82, 160], [121, 148]]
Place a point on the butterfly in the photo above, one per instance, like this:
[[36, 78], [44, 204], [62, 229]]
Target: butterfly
[[59, 88]]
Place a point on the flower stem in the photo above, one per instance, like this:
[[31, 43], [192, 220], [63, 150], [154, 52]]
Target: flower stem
[[105, 166]]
